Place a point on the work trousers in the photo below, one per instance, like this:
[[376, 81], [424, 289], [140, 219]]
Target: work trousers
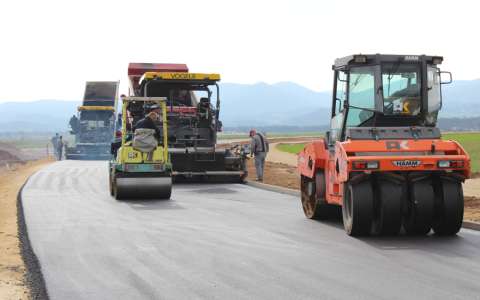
[[260, 163]]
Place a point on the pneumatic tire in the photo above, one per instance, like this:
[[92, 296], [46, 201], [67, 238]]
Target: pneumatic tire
[[357, 208], [388, 210], [449, 212], [420, 208]]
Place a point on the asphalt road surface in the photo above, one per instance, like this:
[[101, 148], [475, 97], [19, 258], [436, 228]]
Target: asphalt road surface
[[224, 242]]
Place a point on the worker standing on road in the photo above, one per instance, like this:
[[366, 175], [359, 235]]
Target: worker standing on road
[[59, 148], [54, 141], [259, 148]]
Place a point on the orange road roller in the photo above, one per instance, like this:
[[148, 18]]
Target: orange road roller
[[383, 160]]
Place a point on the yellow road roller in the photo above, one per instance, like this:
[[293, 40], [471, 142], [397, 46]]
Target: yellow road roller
[[139, 169]]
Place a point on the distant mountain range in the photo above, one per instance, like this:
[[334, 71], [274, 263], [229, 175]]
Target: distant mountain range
[[242, 105], [36, 116], [278, 104]]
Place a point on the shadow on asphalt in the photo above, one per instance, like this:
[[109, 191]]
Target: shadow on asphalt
[[153, 204], [447, 246], [335, 219], [215, 190], [199, 184], [336, 222], [451, 246]]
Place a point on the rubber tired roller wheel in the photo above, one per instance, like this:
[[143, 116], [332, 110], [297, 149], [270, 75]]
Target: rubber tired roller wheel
[[419, 218], [357, 208], [449, 213], [388, 212], [313, 195]]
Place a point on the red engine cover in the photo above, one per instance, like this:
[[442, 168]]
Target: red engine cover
[[140, 68], [136, 70]]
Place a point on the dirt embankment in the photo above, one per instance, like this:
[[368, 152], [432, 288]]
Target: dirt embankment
[[277, 156], [12, 269], [277, 174], [280, 167], [9, 153]]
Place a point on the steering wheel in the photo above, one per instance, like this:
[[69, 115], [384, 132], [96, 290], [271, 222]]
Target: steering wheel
[[388, 109]]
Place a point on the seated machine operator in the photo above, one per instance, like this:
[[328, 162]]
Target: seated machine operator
[[405, 101], [179, 98], [145, 132]]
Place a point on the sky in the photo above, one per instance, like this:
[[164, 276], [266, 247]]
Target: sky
[[49, 48]]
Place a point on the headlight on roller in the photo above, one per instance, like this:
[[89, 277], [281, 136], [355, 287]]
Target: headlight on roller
[[454, 164]]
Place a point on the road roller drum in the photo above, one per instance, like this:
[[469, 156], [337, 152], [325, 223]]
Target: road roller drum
[[143, 187]]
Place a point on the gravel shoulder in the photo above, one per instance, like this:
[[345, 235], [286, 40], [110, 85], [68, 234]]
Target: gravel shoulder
[[472, 187], [12, 269]]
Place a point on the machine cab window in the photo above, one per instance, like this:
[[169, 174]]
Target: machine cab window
[[340, 97], [434, 90], [401, 89], [385, 91], [361, 89]]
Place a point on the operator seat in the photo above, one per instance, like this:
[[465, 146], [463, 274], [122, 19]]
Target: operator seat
[[204, 107]]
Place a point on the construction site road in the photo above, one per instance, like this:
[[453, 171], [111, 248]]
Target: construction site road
[[224, 241]]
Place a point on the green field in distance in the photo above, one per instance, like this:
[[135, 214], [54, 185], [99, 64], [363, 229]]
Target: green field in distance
[[470, 141]]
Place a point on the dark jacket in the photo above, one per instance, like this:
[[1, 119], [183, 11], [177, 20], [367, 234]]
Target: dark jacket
[[147, 123]]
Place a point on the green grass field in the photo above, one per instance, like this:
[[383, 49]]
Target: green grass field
[[229, 136], [469, 141], [291, 148]]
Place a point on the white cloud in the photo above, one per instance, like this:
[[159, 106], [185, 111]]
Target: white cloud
[[50, 48]]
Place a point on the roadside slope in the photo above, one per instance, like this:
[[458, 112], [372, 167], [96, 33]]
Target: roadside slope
[[12, 269], [277, 156]]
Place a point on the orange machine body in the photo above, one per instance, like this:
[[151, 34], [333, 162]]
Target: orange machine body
[[340, 161]]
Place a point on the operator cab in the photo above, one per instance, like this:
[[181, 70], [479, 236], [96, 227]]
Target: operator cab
[[193, 104], [385, 91]]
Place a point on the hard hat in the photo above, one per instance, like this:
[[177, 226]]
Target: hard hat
[[151, 107]]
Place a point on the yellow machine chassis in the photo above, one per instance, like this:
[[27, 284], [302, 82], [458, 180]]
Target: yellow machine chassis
[[126, 152]]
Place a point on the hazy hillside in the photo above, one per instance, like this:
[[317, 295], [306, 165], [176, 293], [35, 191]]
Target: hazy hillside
[[283, 103], [257, 104], [456, 124], [280, 104], [261, 104], [37, 116], [461, 98]]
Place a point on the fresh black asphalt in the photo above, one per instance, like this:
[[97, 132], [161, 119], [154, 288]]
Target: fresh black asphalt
[[224, 241]]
